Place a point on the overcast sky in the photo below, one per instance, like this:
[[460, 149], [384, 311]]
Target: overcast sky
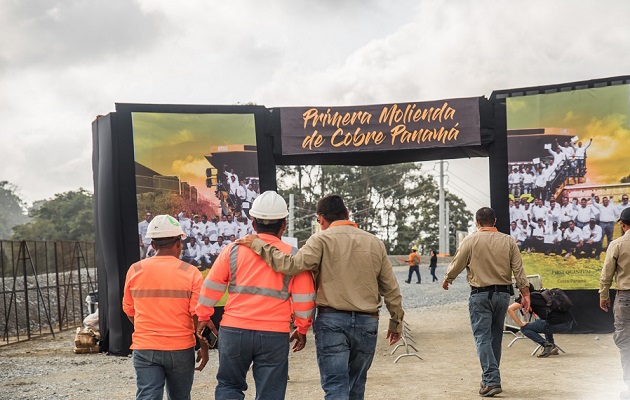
[[64, 62]]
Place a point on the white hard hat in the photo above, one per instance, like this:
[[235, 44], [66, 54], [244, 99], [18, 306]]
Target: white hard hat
[[164, 226], [269, 205]]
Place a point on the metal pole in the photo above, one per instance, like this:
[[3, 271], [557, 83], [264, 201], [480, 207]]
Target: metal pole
[[77, 249], [58, 288], [447, 237], [291, 214], [22, 253], [442, 247]]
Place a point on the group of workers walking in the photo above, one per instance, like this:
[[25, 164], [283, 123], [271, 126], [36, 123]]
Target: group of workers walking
[[342, 272], [336, 282]]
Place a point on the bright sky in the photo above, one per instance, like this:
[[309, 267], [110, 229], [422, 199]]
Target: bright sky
[[63, 62]]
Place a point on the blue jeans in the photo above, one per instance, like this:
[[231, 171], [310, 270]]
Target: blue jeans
[[153, 368], [238, 348], [621, 309], [345, 345], [533, 330], [416, 269], [487, 316]]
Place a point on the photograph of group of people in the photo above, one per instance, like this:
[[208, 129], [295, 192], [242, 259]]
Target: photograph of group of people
[[576, 227], [220, 167], [544, 175], [543, 219], [234, 192], [207, 236], [568, 180]]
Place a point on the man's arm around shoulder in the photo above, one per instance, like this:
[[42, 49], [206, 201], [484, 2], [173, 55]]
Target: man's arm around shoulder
[[308, 258]]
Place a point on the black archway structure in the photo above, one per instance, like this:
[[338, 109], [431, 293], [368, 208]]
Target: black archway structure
[[475, 127]]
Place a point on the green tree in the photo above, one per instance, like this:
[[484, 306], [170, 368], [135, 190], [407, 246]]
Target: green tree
[[67, 216], [169, 203], [398, 203], [625, 179], [12, 209]]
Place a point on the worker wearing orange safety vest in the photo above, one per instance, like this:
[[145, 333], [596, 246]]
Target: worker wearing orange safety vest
[[159, 298], [414, 264], [256, 322]]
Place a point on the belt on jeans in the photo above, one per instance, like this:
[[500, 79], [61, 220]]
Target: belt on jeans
[[492, 288], [324, 309]]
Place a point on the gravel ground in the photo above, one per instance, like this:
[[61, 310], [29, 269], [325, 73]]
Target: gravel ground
[[46, 368], [429, 294]]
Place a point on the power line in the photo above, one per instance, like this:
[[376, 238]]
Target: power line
[[471, 186]]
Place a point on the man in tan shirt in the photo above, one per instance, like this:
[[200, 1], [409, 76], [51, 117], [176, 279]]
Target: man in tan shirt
[[352, 275], [617, 265], [490, 258]]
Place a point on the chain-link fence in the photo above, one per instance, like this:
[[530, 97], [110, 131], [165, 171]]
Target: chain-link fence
[[45, 287]]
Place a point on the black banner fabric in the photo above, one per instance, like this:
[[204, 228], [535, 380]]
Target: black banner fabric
[[113, 172], [589, 318], [399, 126]]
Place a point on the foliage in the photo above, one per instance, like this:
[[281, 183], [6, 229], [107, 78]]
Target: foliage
[[169, 203], [625, 179], [12, 209], [67, 216], [397, 202]]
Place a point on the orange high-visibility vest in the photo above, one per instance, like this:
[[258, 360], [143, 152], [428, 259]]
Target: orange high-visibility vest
[[412, 257], [258, 298], [161, 294]]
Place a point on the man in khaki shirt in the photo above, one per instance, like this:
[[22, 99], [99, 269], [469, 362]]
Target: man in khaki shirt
[[352, 275], [490, 258], [617, 265]]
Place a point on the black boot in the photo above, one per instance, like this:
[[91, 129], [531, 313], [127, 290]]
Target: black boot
[[547, 348]]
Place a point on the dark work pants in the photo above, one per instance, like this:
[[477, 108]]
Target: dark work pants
[[416, 269]]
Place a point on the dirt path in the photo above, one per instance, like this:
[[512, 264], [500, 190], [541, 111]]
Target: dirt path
[[47, 369]]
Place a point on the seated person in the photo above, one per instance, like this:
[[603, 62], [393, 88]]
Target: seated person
[[191, 252], [515, 232], [572, 240], [592, 237], [553, 239], [537, 238], [549, 322]]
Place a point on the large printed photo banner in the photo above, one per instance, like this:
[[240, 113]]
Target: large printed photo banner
[[203, 170], [400, 126], [569, 180]]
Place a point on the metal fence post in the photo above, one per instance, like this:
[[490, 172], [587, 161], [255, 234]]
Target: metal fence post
[[22, 253]]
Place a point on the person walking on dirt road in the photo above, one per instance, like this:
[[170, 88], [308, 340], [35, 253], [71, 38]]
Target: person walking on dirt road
[[490, 258]]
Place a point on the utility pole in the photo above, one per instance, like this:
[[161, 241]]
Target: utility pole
[[441, 210], [291, 214], [447, 236]]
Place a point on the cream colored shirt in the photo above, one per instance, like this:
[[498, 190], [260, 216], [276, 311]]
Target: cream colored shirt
[[617, 265], [351, 269], [490, 258]]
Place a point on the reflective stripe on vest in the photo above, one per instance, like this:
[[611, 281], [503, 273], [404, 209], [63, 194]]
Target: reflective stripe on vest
[[234, 288], [183, 266], [165, 293], [303, 298], [206, 301], [304, 314], [219, 287]]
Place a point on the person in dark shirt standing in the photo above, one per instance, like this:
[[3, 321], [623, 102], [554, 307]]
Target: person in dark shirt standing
[[433, 265]]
